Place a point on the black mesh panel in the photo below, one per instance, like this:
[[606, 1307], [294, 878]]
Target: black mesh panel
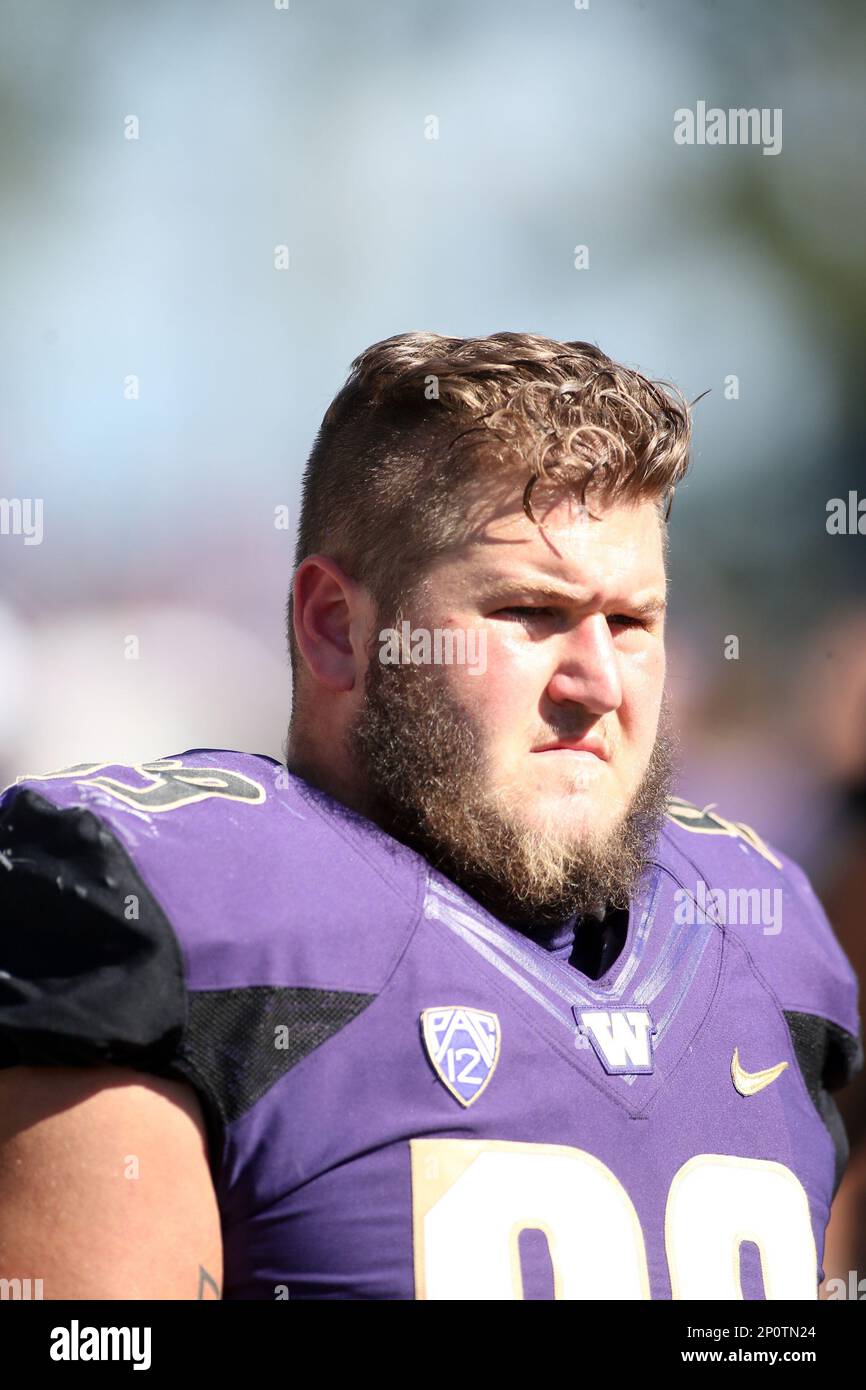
[[828, 1057], [240, 1041]]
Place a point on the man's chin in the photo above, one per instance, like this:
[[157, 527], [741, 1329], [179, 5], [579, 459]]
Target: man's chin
[[577, 814]]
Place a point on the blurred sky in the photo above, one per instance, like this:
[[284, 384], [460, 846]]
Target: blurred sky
[[306, 127]]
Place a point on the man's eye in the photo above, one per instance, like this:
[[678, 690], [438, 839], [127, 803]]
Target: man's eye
[[624, 620], [524, 612]]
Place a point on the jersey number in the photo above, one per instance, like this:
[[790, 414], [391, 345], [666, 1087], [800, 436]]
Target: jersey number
[[471, 1200]]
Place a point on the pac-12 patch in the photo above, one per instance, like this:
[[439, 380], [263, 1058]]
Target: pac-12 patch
[[463, 1045]]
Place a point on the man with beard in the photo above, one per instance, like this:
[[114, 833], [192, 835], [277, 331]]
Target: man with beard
[[461, 1002]]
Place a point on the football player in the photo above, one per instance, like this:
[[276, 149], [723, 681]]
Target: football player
[[460, 1002]]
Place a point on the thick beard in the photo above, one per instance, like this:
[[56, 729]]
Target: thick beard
[[428, 785]]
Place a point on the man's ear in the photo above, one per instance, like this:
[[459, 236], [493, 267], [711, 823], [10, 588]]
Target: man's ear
[[331, 612]]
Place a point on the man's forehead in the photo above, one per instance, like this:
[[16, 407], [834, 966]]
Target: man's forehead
[[570, 545]]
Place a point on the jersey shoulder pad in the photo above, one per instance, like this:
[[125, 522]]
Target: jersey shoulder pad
[[753, 890]]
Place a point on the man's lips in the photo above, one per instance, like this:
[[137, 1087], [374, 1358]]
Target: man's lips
[[591, 745]]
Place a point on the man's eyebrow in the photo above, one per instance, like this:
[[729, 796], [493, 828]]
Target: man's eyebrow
[[647, 607]]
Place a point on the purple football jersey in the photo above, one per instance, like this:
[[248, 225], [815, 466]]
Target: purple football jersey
[[408, 1099]]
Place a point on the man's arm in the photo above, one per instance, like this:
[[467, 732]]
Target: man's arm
[[105, 1189]]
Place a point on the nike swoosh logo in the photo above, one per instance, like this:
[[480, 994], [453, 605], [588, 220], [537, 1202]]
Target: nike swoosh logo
[[748, 1083]]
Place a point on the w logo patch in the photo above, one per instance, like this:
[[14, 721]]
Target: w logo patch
[[463, 1045], [622, 1038]]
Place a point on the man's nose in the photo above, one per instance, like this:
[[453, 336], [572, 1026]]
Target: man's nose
[[587, 671]]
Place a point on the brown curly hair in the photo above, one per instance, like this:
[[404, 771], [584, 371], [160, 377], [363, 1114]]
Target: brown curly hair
[[423, 421]]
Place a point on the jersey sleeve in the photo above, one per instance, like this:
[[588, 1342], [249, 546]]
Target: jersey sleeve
[[821, 1011], [91, 971], [827, 1030]]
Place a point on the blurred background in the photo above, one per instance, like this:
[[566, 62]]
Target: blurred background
[[164, 367]]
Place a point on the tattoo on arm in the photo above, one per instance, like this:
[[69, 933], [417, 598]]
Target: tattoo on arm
[[205, 1280]]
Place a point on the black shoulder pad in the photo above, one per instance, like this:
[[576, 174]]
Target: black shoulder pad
[[829, 1057], [90, 969]]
